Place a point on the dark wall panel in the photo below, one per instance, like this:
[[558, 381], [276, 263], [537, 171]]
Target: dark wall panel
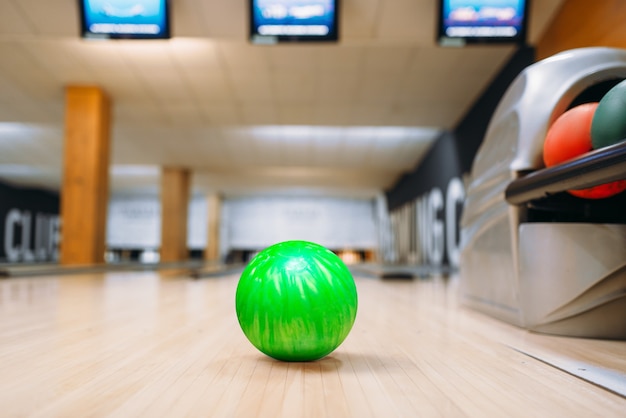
[[29, 224], [453, 153], [426, 204], [472, 128]]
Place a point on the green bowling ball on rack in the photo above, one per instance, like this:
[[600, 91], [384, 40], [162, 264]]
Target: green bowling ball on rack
[[609, 122], [296, 301]]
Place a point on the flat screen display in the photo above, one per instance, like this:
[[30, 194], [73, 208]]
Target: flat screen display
[[273, 21], [124, 19], [482, 21]]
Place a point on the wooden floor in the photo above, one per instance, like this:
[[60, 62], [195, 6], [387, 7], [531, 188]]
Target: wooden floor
[[146, 344]]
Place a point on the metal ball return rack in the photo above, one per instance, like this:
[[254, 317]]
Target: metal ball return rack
[[532, 255]]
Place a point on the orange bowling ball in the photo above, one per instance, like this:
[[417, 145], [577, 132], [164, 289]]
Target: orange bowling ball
[[570, 136]]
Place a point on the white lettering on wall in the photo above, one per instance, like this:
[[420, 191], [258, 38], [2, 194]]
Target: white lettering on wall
[[23, 244], [455, 196], [425, 230], [11, 250], [436, 247]]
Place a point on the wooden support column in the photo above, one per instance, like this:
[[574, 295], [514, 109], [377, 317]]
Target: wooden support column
[[584, 23], [214, 205], [85, 188], [174, 208]]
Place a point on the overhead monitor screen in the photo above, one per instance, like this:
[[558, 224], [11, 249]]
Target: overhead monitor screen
[[482, 21], [273, 21], [124, 19]]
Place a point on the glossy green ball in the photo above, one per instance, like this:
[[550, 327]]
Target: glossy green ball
[[609, 121], [296, 301]]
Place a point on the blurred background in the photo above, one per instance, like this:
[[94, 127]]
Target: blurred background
[[352, 143]]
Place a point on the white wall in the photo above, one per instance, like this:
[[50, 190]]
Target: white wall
[[197, 223], [257, 222], [249, 223], [135, 222]]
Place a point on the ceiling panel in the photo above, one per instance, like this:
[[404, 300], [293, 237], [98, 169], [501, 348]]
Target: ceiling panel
[[183, 114], [358, 18], [392, 60], [367, 114], [12, 20], [134, 115], [188, 20], [407, 20], [128, 91], [291, 58], [210, 87], [296, 114], [195, 55], [60, 62], [221, 114], [224, 19], [51, 18], [167, 87], [241, 58], [344, 58], [337, 88], [252, 88], [295, 86], [20, 67], [259, 114], [378, 88]]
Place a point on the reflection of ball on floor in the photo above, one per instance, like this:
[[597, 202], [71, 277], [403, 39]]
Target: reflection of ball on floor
[[296, 301], [570, 136]]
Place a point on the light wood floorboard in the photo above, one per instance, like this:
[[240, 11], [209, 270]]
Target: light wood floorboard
[[147, 344]]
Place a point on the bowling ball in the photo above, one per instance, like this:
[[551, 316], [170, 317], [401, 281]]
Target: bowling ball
[[609, 121], [570, 136], [296, 301]]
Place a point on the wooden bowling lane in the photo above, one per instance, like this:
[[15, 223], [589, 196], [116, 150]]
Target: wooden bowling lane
[[150, 344]]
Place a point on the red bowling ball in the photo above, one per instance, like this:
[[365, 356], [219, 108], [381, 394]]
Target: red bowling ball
[[569, 137]]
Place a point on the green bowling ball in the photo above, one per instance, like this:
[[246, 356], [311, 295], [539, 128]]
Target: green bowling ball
[[296, 301], [609, 121]]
